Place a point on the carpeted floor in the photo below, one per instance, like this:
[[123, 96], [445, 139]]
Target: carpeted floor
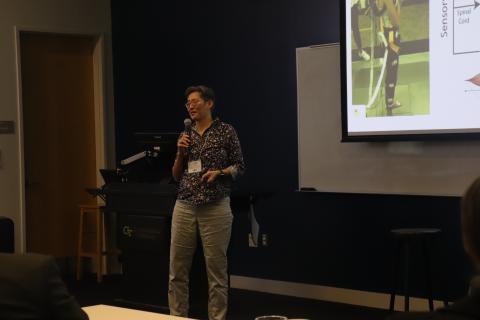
[[243, 305]]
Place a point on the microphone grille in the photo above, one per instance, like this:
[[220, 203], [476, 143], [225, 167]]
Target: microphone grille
[[187, 122]]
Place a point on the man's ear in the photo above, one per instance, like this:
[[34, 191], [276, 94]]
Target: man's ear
[[210, 104]]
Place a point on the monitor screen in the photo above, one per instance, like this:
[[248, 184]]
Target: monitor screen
[[156, 157], [409, 69], [163, 142]]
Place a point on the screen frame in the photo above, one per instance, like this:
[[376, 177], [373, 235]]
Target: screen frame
[[346, 137]]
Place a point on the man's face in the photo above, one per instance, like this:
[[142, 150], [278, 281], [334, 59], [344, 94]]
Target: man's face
[[197, 107]]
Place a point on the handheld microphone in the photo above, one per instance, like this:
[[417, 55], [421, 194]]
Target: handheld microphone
[[188, 130], [188, 126]]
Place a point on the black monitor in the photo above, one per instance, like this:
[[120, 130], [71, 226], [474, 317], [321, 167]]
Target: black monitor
[[155, 164], [162, 142]]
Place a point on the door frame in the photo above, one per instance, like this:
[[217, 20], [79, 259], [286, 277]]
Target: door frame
[[100, 105]]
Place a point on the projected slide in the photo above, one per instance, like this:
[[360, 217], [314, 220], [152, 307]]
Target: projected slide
[[412, 66]]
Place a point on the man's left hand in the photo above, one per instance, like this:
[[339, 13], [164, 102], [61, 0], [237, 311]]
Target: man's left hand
[[210, 176]]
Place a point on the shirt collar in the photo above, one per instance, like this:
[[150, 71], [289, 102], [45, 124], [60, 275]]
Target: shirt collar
[[214, 123]]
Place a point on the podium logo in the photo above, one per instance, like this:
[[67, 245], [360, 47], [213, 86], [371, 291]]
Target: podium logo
[[127, 231]]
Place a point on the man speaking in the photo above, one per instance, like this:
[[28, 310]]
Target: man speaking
[[208, 159]]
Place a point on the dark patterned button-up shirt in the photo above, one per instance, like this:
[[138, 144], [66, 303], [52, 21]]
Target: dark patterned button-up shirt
[[218, 148]]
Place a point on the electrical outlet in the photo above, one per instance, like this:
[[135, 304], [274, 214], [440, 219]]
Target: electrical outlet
[[264, 240]]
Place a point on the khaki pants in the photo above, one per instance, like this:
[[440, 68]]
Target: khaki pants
[[214, 222]]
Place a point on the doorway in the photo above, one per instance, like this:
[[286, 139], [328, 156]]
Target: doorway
[[59, 138]]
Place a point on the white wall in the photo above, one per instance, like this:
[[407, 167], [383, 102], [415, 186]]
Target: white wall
[[60, 16]]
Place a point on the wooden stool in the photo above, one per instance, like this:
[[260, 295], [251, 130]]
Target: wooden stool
[[97, 253]]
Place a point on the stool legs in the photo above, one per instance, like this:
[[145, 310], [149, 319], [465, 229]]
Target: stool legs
[[97, 253], [98, 259], [404, 251], [428, 275], [395, 277], [406, 275], [406, 261], [80, 242]]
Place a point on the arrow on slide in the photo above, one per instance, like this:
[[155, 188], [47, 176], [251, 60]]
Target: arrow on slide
[[475, 4], [475, 80]]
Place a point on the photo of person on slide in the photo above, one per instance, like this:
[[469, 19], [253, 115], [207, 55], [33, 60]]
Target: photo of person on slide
[[389, 11], [395, 80], [358, 7]]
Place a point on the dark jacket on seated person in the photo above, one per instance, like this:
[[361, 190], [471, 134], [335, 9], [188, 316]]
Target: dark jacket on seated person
[[467, 308], [31, 288]]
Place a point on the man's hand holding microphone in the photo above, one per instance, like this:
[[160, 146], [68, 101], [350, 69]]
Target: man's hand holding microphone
[[183, 150]]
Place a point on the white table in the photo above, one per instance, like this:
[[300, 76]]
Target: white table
[[104, 312]]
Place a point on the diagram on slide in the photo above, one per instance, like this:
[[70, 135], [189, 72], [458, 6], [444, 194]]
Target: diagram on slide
[[466, 23]]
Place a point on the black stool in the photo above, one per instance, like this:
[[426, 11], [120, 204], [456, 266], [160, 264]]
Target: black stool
[[407, 239]]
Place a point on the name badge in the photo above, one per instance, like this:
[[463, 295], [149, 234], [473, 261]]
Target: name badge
[[195, 166]]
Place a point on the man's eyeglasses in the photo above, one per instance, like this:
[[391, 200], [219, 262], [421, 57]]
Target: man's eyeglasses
[[192, 102]]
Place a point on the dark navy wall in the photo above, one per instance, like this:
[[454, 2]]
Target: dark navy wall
[[245, 50]]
